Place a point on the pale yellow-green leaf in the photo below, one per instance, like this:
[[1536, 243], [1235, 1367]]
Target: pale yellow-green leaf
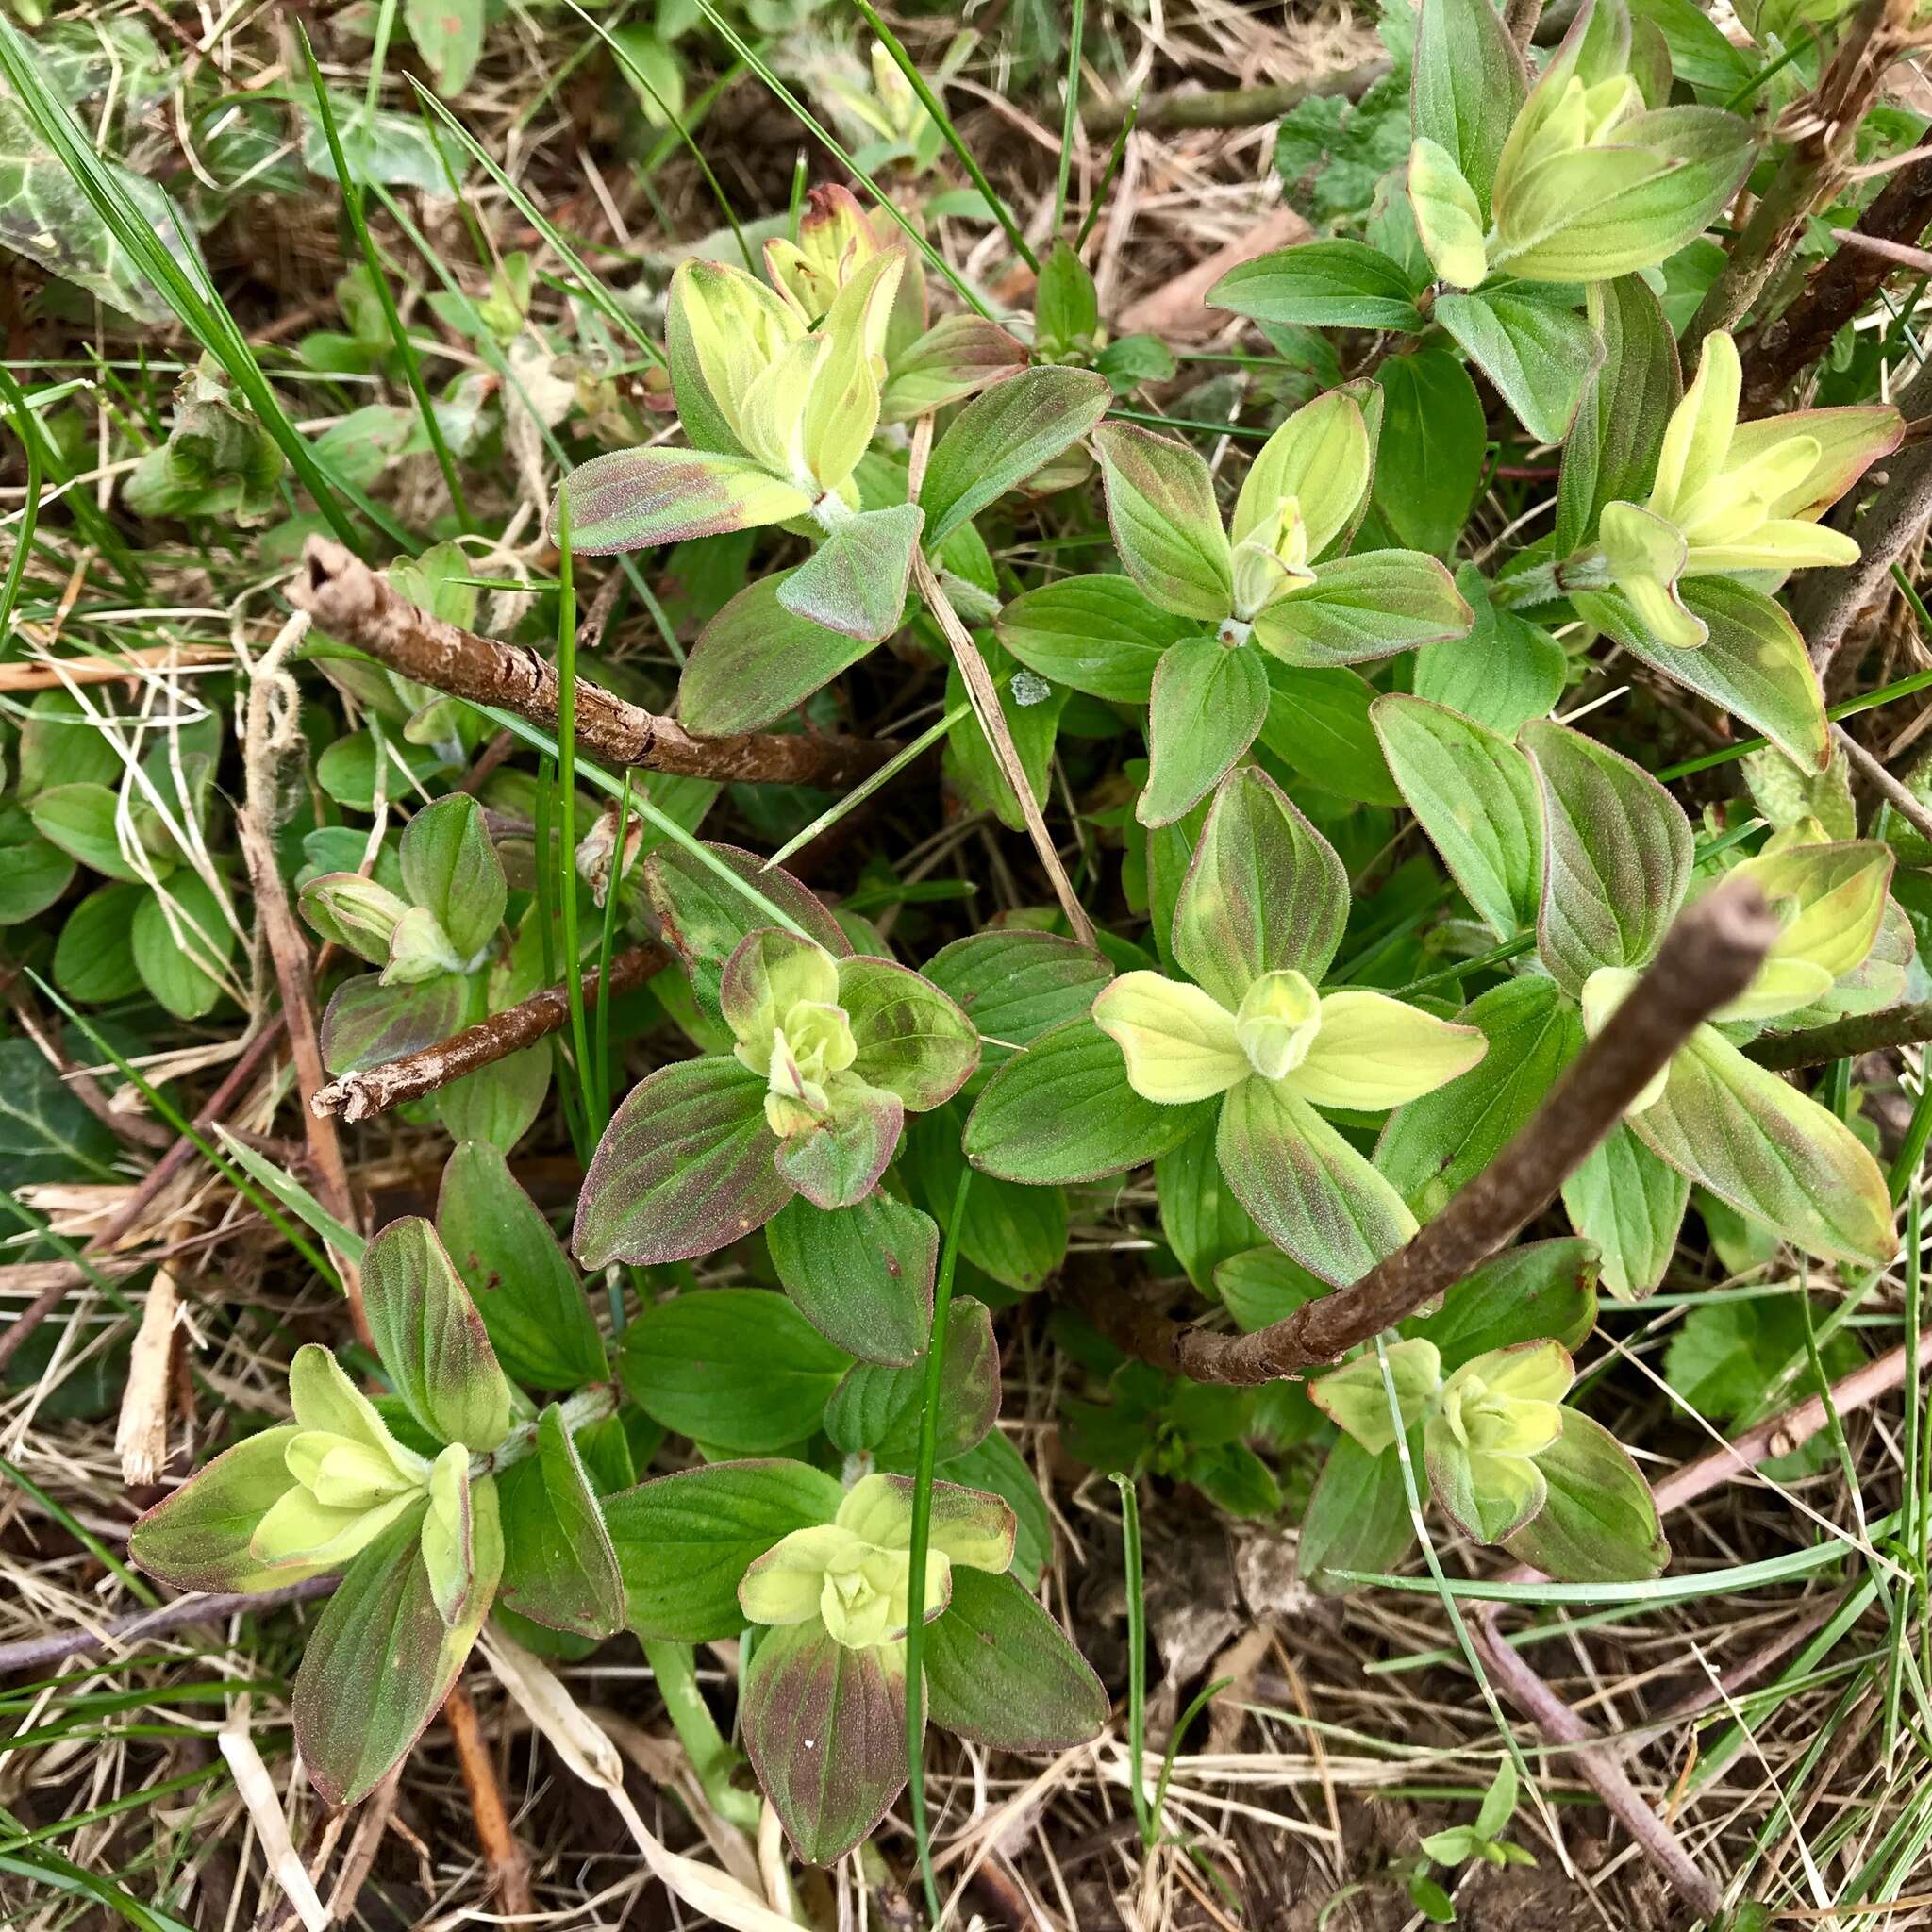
[[1447, 216], [449, 1553], [1355, 1398], [1320, 456], [1697, 438], [1647, 556], [1374, 1052], [1277, 1021], [1180, 1042]]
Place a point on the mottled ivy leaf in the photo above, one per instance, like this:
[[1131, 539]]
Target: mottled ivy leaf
[[1770, 1152], [1599, 1521], [861, 1275], [1466, 85], [1322, 284], [685, 1167], [1203, 1223], [1611, 453], [825, 1728], [854, 581], [430, 1338], [1436, 1145], [1063, 1111], [381, 1660], [633, 499], [46, 217], [1429, 463], [958, 357], [1475, 795], [1539, 357], [1015, 985], [1753, 661], [879, 1408], [1631, 1205], [1166, 522], [912, 1040], [1001, 437], [1208, 703], [705, 918], [523, 1284], [451, 869], [1360, 607], [1002, 1672], [683, 1541], [1357, 1518], [1100, 634], [34, 872], [1542, 1290], [1506, 672], [1307, 1189], [757, 660], [367, 1023], [559, 1566], [1265, 892], [1617, 860], [199, 1537], [737, 1369], [396, 150]]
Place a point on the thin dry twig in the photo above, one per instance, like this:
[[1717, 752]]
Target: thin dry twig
[[1884, 783], [1707, 957], [1238, 106], [1818, 1046], [351, 602], [507, 1862]]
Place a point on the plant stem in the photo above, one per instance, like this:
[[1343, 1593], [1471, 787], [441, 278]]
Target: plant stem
[[1137, 1658], [675, 1670]]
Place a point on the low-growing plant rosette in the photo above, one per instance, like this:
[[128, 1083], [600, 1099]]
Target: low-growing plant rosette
[[818, 1574], [1251, 1046], [830, 1053], [1555, 836], [434, 1504]]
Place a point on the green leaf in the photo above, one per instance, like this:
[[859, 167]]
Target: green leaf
[[861, 1275], [1753, 662], [635, 499], [1166, 522], [1467, 84], [381, 1660], [1542, 1290], [1429, 461], [1539, 357], [198, 1538], [522, 1282], [958, 357], [684, 1541], [1631, 1205], [825, 1728], [79, 819], [1317, 723], [1760, 1146], [855, 581], [1001, 437], [1265, 892], [1063, 1111], [1599, 1522], [1203, 1223], [559, 1566], [94, 959], [1617, 858], [1099, 634], [879, 1409], [1611, 454], [34, 872], [179, 957], [1016, 1234], [430, 1338], [499, 1103], [1434, 1146], [1364, 607], [1262, 1285], [685, 1167], [1033, 720], [1015, 985], [1002, 1672], [913, 1041], [737, 1369], [756, 661], [1475, 795], [1208, 703], [1322, 284], [367, 1023], [1356, 1396], [1357, 1518], [451, 869], [1505, 672], [1307, 1189], [449, 36]]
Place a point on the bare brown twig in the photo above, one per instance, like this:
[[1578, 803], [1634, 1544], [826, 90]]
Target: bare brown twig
[[508, 1864], [1707, 957], [1236, 107], [1817, 1046], [359, 1096], [351, 602]]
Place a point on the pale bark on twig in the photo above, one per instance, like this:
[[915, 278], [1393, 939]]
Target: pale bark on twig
[[1846, 1038], [1707, 957], [351, 602]]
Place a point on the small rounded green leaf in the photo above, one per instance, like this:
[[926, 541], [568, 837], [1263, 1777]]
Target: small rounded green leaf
[[1208, 702], [1166, 522], [1180, 1044]]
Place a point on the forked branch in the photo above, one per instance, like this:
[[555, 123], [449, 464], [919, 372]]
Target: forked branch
[[1707, 957], [351, 602]]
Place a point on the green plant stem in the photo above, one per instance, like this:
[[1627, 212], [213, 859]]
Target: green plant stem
[[1137, 1657], [1070, 123], [607, 941], [1115, 155], [566, 816], [674, 1667], [931, 1398]]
